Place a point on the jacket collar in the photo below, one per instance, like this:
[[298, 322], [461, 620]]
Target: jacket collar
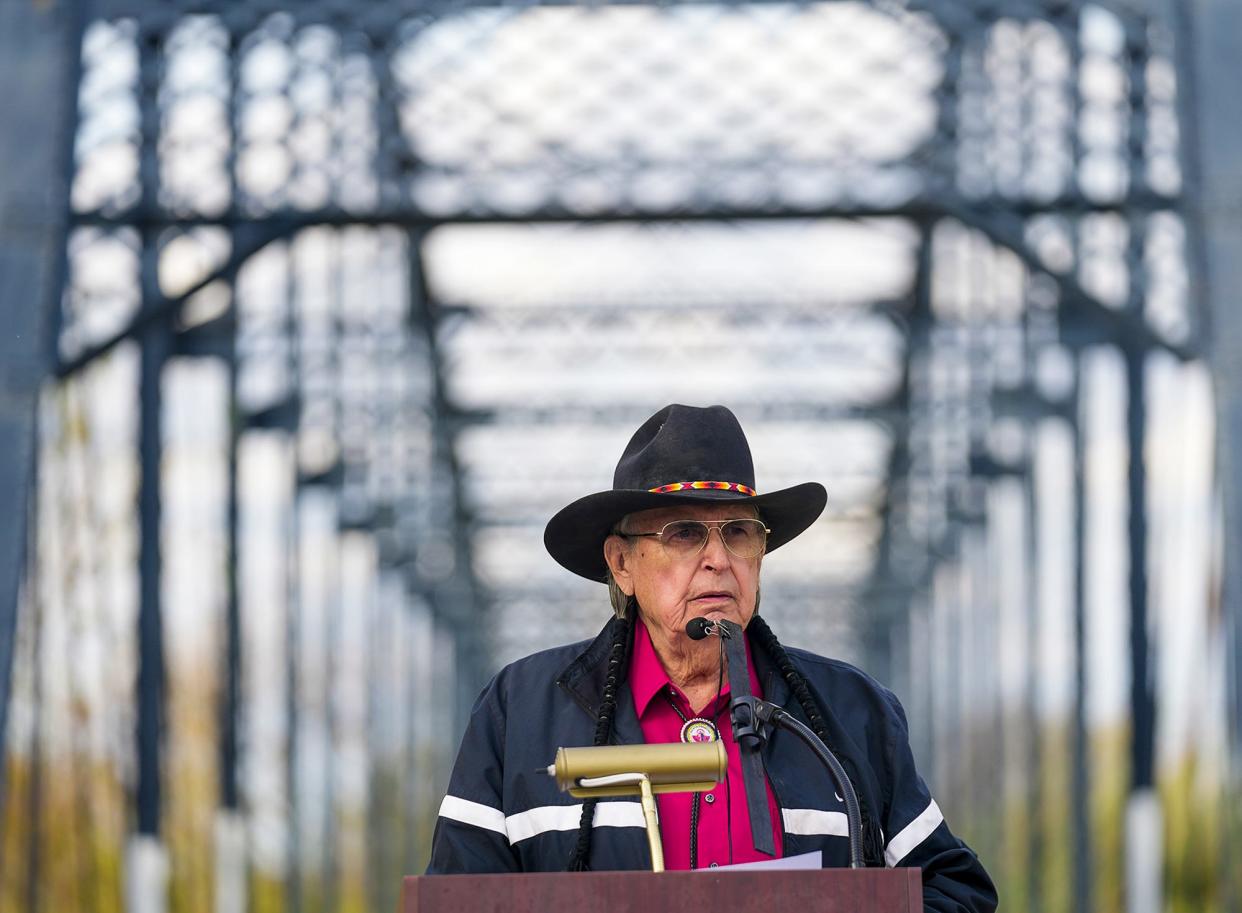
[[775, 690], [583, 680]]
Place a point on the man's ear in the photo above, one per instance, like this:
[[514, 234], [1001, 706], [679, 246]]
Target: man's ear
[[617, 554]]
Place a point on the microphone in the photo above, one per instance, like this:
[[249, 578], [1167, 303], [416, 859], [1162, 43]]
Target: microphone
[[699, 628]]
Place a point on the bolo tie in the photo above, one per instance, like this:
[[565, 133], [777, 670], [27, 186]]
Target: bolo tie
[[695, 729]]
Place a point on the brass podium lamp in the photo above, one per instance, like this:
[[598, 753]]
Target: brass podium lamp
[[641, 770]]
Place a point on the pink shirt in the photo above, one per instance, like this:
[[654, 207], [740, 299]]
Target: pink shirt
[[724, 821]]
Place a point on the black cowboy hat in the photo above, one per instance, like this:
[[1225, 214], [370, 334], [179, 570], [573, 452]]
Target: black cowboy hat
[[681, 455]]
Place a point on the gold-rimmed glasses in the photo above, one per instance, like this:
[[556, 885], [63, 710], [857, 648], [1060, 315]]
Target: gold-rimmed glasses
[[745, 538]]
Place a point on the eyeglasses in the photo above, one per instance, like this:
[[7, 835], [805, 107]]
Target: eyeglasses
[[744, 538]]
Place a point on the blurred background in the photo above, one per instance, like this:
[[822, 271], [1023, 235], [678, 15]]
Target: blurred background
[[314, 311]]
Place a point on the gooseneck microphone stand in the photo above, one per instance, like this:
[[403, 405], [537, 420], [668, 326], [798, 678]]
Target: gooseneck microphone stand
[[752, 718]]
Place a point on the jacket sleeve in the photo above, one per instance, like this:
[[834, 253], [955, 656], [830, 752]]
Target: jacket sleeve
[[916, 834], [470, 833]]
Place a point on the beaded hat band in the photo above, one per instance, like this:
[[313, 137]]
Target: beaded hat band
[[718, 486]]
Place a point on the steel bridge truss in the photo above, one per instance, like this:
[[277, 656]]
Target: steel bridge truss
[[357, 296]]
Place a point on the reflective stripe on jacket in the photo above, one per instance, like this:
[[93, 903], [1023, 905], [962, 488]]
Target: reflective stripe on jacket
[[503, 813]]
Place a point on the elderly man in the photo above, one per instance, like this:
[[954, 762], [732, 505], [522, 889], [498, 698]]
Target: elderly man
[[682, 535]]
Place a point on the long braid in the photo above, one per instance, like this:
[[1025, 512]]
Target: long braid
[[873, 845], [618, 668]]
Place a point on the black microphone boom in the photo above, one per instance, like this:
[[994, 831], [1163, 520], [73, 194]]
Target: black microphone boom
[[749, 739], [751, 718]]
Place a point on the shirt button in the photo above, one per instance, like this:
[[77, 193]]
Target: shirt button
[[709, 798]]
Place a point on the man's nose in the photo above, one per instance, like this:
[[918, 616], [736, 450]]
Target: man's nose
[[714, 552]]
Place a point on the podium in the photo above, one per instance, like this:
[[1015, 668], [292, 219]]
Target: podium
[[821, 890]]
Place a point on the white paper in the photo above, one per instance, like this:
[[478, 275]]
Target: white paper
[[812, 860]]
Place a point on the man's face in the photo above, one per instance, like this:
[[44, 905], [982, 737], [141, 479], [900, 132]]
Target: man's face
[[672, 589]]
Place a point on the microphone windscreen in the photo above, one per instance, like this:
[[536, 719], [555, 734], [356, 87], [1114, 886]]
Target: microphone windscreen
[[696, 628]]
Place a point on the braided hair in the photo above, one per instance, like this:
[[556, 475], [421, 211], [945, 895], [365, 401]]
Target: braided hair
[[872, 840], [618, 669]]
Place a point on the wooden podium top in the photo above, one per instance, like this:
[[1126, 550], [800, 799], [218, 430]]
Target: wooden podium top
[[705, 891]]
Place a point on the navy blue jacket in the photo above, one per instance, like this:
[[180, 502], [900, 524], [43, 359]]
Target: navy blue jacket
[[503, 813]]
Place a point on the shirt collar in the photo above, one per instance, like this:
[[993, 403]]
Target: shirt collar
[[647, 675]]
